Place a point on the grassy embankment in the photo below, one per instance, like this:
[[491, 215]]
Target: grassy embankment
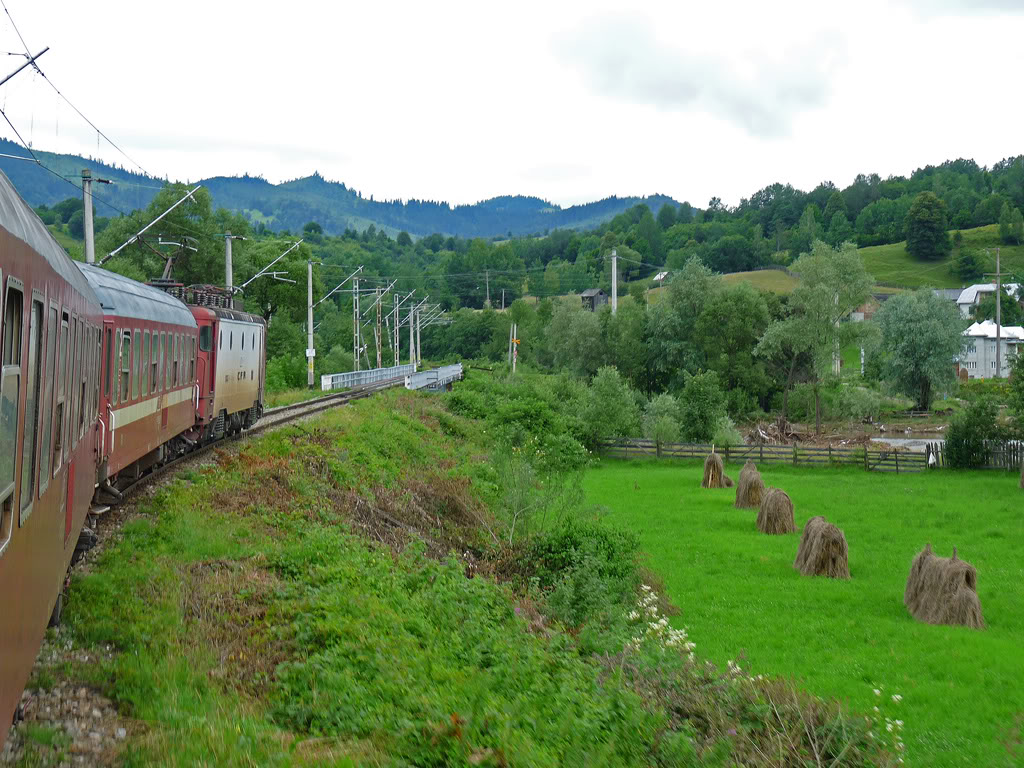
[[892, 264], [737, 590], [295, 603]]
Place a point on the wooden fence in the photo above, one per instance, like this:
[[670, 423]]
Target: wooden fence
[[871, 460], [999, 455]]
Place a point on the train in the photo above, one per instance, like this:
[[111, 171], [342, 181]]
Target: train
[[102, 380]]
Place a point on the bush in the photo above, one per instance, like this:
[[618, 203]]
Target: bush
[[661, 419], [859, 403], [970, 432], [702, 406], [726, 433]]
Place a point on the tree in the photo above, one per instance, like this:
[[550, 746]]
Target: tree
[[1017, 226], [926, 228], [966, 264], [921, 337], [312, 228], [613, 409], [666, 216], [839, 230], [661, 420], [76, 225], [1006, 224], [836, 204], [701, 407], [404, 240], [833, 283]]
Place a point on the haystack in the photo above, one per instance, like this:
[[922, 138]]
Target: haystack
[[776, 513], [750, 489], [727, 481], [822, 550], [943, 590], [713, 472]]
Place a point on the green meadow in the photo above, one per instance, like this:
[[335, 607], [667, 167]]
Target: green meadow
[[740, 598]]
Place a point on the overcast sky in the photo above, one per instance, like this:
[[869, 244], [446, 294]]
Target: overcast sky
[[567, 101]]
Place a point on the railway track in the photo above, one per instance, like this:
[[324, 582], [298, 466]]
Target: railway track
[[272, 417]]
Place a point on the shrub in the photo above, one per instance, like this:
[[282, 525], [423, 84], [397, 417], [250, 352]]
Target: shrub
[[702, 405], [969, 432], [726, 433], [661, 419]]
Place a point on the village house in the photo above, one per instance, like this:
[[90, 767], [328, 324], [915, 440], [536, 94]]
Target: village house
[[972, 295], [593, 298], [979, 362]]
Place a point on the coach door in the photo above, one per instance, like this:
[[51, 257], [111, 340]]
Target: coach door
[[206, 369], [107, 388]]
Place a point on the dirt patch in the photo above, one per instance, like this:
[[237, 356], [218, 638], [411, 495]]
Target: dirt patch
[[225, 605]]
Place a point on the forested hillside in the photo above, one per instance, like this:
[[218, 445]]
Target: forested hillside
[[336, 207]]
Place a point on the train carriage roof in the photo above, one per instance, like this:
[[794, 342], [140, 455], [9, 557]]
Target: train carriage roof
[[124, 297], [22, 222]]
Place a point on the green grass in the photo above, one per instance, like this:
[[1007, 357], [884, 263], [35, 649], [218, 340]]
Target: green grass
[[773, 280], [739, 594], [291, 396], [892, 264]]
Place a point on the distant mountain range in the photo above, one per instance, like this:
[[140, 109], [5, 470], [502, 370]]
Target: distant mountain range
[[291, 204]]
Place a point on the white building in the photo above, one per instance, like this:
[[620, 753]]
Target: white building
[[971, 296], [980, 359]]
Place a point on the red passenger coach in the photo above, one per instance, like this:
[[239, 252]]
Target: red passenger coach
[[148, 399], [50, 329]]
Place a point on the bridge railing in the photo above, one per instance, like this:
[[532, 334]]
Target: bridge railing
[[434, 379], [358, 378]]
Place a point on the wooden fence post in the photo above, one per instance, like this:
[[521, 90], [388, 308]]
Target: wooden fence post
[[761, 460], [865, 458], [897, 455], [727, 454], [794, 454]]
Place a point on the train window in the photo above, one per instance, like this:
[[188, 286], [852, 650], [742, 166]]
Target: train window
[[221, 344], [126, 364], [51, 352], [32, 403], [168, 354], [154, 360], [10, 390], [192, 359], [72, 390], [206, 338], [58, 419], [136, 365], [231, 340], [144, 383], [83, 367]]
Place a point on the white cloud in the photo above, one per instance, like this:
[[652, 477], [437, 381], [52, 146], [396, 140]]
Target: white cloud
[[761, 88]]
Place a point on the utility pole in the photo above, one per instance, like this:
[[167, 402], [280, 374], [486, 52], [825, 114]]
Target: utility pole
[[487, 280], [90, 238], [502, 299], [419, 349], [412, 337], [379, 330], [310, 352], [228, 271], [511, 335], [998, 275], [515, 346], [615, 282], [355, 322], [398, 361]]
